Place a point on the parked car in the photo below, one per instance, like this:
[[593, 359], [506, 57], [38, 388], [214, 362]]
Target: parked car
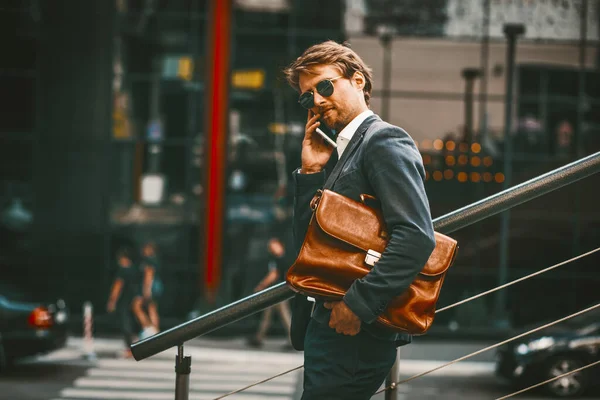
[[29, 327], [553, 352]]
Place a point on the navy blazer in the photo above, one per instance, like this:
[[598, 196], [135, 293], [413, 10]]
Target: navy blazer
[[381, 160]]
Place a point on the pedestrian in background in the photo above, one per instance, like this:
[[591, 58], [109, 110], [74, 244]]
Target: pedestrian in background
[[145, 306], [124, 289], [277, 268]]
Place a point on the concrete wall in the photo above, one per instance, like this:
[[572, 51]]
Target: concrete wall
[[434, 65]]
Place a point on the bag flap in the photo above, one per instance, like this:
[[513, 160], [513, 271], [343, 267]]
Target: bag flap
[[351, 221], [442, 256], [362, 227]]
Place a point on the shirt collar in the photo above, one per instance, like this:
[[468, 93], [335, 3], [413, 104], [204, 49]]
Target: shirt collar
[[349, 130]]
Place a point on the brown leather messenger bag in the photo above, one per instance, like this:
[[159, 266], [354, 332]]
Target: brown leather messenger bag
[[345, 238]]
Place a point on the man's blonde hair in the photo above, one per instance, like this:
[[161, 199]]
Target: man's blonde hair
[[330, 53]]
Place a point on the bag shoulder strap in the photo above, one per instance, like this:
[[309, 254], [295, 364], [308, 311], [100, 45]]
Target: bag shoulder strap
[[365, 127]]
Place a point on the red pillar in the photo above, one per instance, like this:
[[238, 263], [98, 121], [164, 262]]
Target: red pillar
[[217, 104]]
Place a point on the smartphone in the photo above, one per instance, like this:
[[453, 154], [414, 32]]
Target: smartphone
[[326, 133]]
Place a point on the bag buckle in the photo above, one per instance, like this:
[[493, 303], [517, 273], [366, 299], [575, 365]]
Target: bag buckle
[[372, 257], [315, 200]]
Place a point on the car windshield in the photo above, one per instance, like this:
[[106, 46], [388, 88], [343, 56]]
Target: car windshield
[[589, 329], [14, 292], [588, 322]]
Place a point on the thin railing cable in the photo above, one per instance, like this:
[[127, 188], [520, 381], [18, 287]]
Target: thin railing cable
[[548, 381], [492, 346], [517, 280], [257, 383], [437, 311]]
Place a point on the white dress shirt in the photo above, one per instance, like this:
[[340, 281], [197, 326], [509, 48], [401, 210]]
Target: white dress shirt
[[344, 137]]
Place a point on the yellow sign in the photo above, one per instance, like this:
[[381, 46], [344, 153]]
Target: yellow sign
[[277, 128], [185, 68], [121, 120], [249, 79]]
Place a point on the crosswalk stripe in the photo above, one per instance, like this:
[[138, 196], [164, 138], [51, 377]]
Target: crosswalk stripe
[[223, 387], [244, 377], [464, 368], [232, 355], [203, 352], [407, 367], [251, 367], [73, 394]]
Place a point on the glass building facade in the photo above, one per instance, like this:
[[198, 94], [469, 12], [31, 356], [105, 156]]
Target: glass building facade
[[104, 141]]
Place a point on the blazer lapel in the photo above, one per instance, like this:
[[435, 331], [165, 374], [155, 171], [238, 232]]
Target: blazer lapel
[[350, 148]]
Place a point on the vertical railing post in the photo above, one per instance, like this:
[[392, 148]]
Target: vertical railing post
[[182, 374], [392, 379]]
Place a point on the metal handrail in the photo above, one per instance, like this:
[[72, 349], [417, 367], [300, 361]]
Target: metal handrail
[[453, 221]]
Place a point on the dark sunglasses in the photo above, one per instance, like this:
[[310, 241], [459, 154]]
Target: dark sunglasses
[[324, 88]]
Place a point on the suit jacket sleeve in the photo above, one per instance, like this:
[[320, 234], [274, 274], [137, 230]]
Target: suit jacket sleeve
[[394, 169], [305, 187]]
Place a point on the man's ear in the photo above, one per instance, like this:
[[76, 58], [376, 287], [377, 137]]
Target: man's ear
[[358, 80]]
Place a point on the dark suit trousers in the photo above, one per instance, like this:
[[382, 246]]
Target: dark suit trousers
[[340, 367]]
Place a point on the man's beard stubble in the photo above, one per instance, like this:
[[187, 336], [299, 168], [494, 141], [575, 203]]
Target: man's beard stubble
[[339, 123]]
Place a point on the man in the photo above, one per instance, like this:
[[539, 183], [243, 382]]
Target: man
[[124, 289], [152, 287], [346, 354], [152, 284]]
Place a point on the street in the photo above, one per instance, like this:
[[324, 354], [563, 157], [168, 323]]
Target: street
[[223, 365]]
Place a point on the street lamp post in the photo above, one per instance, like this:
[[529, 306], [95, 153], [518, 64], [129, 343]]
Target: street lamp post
[[511, 31], [386, 34], [469, 74]]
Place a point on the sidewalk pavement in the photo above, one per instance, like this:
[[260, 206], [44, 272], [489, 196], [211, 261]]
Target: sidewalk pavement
[[414, 359], [208, 353]]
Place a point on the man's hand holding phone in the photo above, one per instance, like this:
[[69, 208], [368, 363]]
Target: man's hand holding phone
[[316, 150]]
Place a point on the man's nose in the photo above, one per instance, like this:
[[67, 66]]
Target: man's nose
[[318, 99]]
